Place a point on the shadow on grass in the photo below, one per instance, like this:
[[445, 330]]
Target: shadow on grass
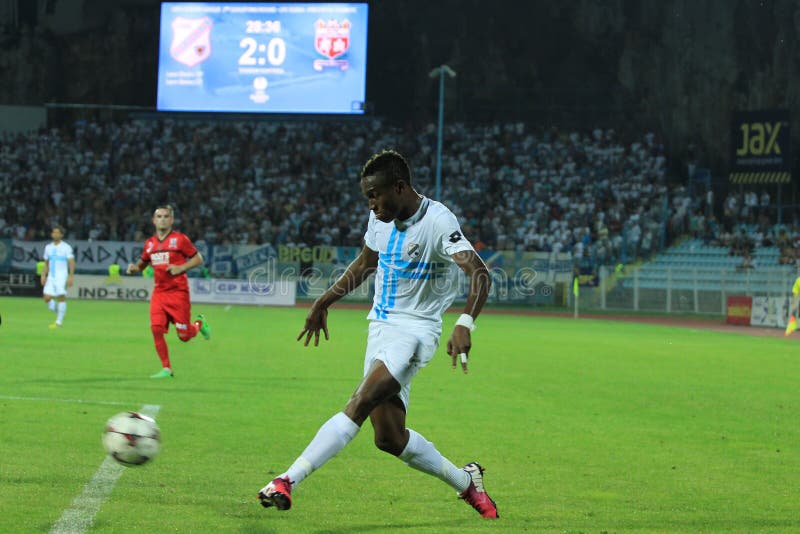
[[116, 379], [265, 528], [383, 527]]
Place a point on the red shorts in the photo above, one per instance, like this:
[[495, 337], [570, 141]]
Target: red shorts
[[170, 307]]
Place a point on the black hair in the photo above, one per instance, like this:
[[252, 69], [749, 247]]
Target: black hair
[[390, 164]]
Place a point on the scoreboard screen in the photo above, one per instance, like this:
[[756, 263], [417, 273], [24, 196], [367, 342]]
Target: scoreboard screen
[[262, 58]]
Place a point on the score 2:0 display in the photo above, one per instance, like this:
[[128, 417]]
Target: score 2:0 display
[[299, 58], [275, 52]]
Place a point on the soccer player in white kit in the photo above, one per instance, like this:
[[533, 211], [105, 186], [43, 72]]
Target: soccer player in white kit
[[411, 244], [59, 268]]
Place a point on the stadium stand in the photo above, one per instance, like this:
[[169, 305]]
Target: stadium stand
[[694, 265], [515, 188]]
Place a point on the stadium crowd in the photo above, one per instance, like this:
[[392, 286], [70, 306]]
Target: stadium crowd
[[297, 182], [514, 187], [602, 195], [747, 223]]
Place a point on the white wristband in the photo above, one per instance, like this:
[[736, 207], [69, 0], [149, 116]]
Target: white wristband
[[467, 321]]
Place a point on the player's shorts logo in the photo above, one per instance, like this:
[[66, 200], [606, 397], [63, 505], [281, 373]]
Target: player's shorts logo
[[332, 40], [455, 237], [191, 40]]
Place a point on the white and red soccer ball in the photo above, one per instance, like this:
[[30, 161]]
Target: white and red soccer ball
[[132, 438]]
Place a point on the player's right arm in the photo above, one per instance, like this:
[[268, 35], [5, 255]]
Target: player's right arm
[[355, 274], [46, 266], [137, 267], [142, 262], [45, 270]]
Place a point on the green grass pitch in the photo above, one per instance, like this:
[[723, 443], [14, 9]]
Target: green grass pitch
[[582, 425]]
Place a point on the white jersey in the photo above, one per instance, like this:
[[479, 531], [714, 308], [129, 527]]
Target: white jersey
[[57, 258], [416, 277]]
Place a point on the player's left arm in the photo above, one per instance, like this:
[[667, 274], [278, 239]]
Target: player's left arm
[[460, 342], [194, 258], [71, 264], [191, 263]]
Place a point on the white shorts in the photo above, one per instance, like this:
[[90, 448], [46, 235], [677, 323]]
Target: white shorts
[[55, 286], [403, 349]]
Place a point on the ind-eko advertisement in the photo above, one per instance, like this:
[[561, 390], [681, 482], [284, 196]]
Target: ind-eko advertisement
[[263, 58]]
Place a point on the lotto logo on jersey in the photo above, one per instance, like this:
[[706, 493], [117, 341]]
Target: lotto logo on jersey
[[159, 258]]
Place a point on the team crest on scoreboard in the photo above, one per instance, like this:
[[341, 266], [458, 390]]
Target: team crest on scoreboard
[[191, 40], [332, 40]]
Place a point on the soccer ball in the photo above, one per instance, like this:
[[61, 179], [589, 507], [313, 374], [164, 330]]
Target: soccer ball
[[132, 438]]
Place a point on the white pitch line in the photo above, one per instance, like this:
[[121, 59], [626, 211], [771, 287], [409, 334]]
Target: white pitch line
[[78, 401], [78, 518]]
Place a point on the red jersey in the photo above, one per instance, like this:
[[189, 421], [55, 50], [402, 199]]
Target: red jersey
[[174, 249]]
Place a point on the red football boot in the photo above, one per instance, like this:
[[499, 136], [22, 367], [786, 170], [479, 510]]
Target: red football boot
[[277, 493], [476, 495]]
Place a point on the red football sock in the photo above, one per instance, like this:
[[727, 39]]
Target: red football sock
[[161, 348]]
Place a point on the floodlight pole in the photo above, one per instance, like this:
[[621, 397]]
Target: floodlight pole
[[440, 72]]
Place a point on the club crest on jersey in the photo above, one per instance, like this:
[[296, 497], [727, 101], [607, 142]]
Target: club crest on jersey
[[332, 39], [149, 246], [413, 250], [191, 40], [173, 242]]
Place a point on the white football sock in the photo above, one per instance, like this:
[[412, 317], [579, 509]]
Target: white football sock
[[62, 309], [422, 455], [52, 305], [331, 437]]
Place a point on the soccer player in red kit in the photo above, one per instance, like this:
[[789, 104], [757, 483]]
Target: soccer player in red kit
[[171, 254]]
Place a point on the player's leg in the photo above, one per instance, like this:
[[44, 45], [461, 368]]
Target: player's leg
[[56, 289], [51, 304], [48, 293], [377, 385], [159, 324], [392, 436], [179, 310], [61, 309], [333, 435], [58, 285]]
